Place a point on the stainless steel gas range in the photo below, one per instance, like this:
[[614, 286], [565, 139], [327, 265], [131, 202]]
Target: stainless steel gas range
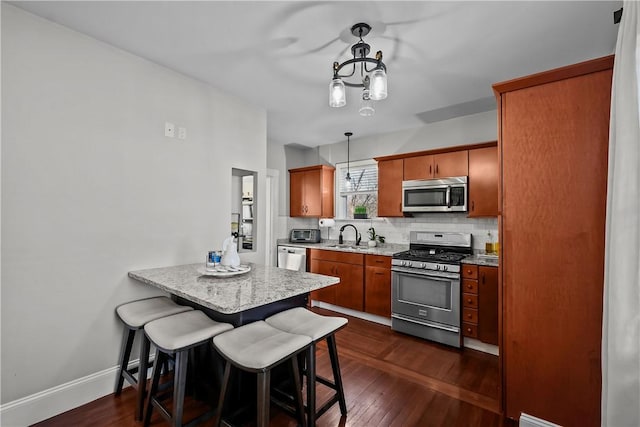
[[425, 285]]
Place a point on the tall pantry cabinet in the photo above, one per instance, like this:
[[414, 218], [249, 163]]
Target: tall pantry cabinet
[[553, 142]]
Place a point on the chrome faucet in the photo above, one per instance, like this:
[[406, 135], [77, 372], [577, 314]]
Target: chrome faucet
[[358, 236]]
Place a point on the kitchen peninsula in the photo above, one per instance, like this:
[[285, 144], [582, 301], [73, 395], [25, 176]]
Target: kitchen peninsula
[[236, 299]]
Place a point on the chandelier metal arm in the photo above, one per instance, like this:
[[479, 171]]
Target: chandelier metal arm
[[336, 69]]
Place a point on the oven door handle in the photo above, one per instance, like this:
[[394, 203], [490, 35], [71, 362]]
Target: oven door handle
[[448, 201], [442, 277], [427, 323]]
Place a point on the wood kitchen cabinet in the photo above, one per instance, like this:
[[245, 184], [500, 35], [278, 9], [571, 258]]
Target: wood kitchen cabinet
[[311, 191], [553, 143], [377, 285], [349, 267], [441, 165], [480, 303], [483, 182], [390, 174]]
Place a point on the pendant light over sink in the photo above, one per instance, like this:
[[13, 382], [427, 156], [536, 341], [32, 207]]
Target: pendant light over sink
[[374, 80], [348, 177]]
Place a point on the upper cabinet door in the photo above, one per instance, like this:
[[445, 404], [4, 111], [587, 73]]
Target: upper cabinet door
[[296, 193], [455, 163], [419, 167], [311, 191], [483, 182], [390, 187]]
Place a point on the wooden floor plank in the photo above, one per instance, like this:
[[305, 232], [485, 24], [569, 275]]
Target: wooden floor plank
[[390, 379]]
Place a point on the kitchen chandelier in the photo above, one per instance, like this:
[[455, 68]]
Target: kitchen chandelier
[[373, 81]]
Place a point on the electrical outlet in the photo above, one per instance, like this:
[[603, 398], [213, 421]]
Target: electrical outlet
[[182, 133], [169, 130]]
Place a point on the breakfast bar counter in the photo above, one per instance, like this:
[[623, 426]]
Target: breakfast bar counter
[[238, 299]]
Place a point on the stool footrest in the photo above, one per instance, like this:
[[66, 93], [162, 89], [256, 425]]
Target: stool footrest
[[328, 404], [326, 382]]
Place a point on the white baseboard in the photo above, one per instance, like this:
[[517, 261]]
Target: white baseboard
[[481, 346], [354, 313], [527, 420], [56, 400]]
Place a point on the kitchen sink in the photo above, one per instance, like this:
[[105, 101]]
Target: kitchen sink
[[349, 247]]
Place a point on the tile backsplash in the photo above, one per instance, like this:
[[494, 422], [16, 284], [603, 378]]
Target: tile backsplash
[[396, 230]]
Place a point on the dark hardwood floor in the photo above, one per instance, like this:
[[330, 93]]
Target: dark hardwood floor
[[390, 379]]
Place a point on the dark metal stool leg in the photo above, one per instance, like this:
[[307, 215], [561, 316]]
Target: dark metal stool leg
[[223, 394], [298, 392], [179, 384], [155, 380], [264, 399], [125, 352], [142, 377], [337, 377], [311, 385]]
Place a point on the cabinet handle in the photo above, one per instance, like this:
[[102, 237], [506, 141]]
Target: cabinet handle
[[473, 205], [436, 168], [430, 171], [469, 315], [469, 330], [469, 287], [379, 274], [469, 300]]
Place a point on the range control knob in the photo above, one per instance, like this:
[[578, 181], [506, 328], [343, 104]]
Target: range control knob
[[422, 265], [405, 263], [437, 266], [444, 268]]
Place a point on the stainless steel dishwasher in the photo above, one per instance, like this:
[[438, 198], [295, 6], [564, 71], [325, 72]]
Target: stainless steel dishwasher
[[292, 258]]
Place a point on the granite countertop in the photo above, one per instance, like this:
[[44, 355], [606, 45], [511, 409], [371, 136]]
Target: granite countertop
[[481, 259], [386, 249], [260, 286]]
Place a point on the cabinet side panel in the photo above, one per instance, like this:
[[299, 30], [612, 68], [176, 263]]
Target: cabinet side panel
[[554, 162]]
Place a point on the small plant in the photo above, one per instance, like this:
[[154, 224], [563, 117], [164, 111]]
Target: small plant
[[360, 212], [373, 236]]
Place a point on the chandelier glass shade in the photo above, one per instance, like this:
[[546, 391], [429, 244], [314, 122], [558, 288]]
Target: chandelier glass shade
[[373, 80]]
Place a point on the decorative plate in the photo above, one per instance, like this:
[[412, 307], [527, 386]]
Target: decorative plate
[[224, 270]]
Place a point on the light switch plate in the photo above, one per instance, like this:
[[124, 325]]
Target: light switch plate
[[169, 130]]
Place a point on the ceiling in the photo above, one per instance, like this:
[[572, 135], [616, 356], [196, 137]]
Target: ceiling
[[441, 57]]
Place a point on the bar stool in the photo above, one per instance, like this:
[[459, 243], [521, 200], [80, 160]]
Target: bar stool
[[135, 315], [304, 322], [175, 336], [258, 347]]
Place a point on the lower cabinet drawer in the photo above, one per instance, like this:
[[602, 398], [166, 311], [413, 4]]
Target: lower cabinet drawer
[[470, 315], [469, 300], [470, 330]]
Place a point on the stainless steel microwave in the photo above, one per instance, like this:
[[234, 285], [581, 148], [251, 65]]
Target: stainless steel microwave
[[435, 195]]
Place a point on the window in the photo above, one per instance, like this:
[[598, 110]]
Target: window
[[363, 191]]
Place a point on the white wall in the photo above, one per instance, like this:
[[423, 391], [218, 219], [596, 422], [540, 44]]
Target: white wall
[[91, 189]]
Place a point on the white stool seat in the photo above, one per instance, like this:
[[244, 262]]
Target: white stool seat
[[304, 322], [183, 330], [137, 313], [258, 345]]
